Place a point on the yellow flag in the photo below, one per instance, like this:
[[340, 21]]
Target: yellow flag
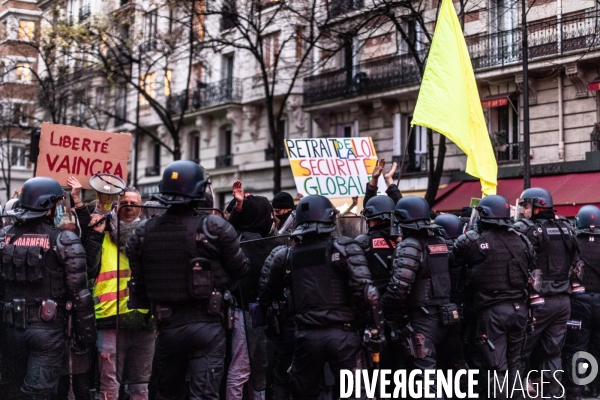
[[449, 101]]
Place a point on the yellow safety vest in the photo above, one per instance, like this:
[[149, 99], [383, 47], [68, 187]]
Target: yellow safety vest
[[110, 290]]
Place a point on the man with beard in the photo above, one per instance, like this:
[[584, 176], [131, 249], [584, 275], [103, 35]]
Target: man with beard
[[135, 335]]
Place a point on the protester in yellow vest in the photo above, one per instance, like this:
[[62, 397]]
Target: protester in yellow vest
[[135, 335]]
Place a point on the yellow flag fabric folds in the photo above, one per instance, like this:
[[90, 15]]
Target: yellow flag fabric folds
[[449, 101]]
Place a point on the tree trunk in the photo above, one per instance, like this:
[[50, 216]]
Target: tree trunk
[[277, 167], [435, 173]]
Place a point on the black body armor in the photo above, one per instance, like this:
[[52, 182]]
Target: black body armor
[[432, 284], [174, 268], [30, 267], [497, 269], [589, 247], [317, 282], [379, 251]]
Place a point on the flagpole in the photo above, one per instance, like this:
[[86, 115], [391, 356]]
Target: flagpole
[[526, 143]]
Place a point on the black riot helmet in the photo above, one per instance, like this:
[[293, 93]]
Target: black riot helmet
[[588, 220], [182, 181], [413, 212], [494, 209], [379, 207], [451, 225], [314, 215], [38, 195], [538, 197]]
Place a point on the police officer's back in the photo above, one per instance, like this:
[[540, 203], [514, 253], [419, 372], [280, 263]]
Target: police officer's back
[[43, 285], [498, 260], [329, 277], [584, 332], [420, 281], [183, 262], [556, 251]]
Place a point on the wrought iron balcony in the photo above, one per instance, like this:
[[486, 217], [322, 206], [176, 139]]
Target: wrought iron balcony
[[508, 153], [225, 160], [220, 92], [341, 7], [153, 170], [368, 77], [573, 33], [84, 12], [413, 162]]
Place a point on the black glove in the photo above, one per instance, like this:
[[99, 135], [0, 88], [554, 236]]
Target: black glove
[[376, 344], [85, 331]]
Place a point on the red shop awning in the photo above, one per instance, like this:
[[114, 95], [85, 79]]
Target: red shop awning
[[495, 101], [594, 85], [569, 192]]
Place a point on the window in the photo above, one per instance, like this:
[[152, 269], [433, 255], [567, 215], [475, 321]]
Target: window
[[195, 146], [153, 160], [270, 49], [147, 84], [120, 105], [26, 30], [150, 29], [4, 30], [344, 131], [23, 73], [168, 82], [18, 156], [504, 130], [229, 13], [21, 114], [225, 158]]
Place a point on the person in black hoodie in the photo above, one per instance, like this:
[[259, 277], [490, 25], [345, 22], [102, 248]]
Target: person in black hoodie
[[252, 218]]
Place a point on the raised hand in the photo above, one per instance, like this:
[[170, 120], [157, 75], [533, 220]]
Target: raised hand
[[389, 175], [75, 188], [238, 191]]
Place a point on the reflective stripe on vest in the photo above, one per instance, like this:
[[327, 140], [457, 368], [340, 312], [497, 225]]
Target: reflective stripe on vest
[[109, 287]]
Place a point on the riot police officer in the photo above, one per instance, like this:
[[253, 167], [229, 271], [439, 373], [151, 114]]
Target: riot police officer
[[556, 251], [379, 246], [328, 277], [498, 261], [452, 353], [420, 282], [584, 324], [183, 262], [43, 286]]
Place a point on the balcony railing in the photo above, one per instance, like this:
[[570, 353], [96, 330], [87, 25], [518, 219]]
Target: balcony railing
[[84, 12], [220, 92], [574, 33], [546, 38], [153, 170], [225, 160], [341, 7], [367, 77], [509, 153], [413, 162]]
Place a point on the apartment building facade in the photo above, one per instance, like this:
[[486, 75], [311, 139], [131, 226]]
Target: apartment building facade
[[19, 22], [368, 87]]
